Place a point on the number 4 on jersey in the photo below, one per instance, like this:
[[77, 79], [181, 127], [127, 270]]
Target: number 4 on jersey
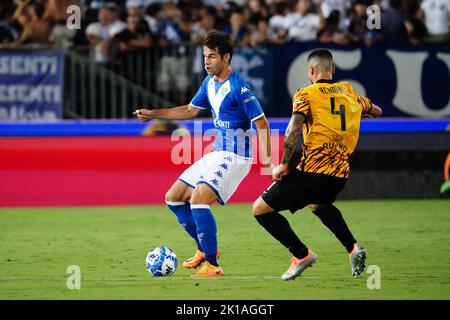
[[340, 112]]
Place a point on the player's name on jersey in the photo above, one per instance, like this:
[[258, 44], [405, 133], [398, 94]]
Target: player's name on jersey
[[333, 89]]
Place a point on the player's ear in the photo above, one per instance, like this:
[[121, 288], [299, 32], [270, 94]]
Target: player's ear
[[334, 69], [227, 57]]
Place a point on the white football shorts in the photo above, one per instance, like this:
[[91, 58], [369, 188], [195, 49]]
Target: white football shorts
[[222, 171]]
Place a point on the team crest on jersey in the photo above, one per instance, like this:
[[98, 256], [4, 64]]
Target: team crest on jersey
[[224, 91], [338, 138]]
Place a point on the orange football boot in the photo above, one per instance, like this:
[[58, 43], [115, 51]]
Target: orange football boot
[[196, 260], [299, 265], [208, 270]]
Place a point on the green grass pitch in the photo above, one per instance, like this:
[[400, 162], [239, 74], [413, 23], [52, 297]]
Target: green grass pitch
[[408, 240]]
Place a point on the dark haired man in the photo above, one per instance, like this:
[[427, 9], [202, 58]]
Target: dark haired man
[[330, 114], [217, 175]]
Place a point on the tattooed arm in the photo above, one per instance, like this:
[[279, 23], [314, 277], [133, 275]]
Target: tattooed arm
[[290, 145]]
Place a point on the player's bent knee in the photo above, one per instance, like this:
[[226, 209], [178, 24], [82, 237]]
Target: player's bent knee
[[173, 196], [203, 195], [195, 198], [177, 194], [261, 207]]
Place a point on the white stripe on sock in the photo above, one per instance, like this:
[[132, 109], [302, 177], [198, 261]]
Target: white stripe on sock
[[200, 206], [170, 203]]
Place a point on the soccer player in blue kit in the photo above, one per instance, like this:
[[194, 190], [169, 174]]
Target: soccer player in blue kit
[[218, 174]]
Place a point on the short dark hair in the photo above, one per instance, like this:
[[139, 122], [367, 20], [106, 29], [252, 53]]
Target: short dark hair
[[323, 58], [321, 53], [220, 41]]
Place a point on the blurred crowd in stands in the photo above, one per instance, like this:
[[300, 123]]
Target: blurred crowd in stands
[[137, 24]]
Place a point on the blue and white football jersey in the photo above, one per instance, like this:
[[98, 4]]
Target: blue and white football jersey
[[233, 107]]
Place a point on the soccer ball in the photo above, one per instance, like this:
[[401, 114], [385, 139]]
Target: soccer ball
[[161, 261]]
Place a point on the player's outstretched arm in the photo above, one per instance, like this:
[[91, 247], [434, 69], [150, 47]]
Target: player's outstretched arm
[[178, 113]]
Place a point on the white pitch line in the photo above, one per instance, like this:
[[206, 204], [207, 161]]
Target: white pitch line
[[230, 277]]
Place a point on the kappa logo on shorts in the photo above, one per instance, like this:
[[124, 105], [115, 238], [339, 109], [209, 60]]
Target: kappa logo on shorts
[[224, 166], [229, 158], [219, 174], [215, 182]]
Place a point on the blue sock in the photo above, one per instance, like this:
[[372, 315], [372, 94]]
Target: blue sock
[[184, 215], [206, 231]]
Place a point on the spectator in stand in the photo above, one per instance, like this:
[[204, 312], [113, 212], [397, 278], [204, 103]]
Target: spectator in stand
[[224, 13], [393, 23], [358, 25], [328, 6], [137, 35], [56, 14], [333, 33], [415, 27], [206, 23], [358, 20], [213, 3], [239, 33], [173, 27], [136, 8], [277, 22], [257, 10], [29, 14], [436, 14], [173, 31], [191, 8], [101, 33], [8, 31], [117, 24], [56, 10], [261, 35], [153, 14], [303, 25], [383, 4]]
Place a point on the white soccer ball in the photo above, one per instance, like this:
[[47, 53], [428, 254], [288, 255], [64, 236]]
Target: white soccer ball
[[161, 261]]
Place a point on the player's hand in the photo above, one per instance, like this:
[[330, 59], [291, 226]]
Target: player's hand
[[367, 116], [280, 171], [144, 115]]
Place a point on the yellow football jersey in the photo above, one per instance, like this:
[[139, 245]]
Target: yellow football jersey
[[333, 112]]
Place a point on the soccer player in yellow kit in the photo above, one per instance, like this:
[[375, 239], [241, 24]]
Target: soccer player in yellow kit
[[329, 115]]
